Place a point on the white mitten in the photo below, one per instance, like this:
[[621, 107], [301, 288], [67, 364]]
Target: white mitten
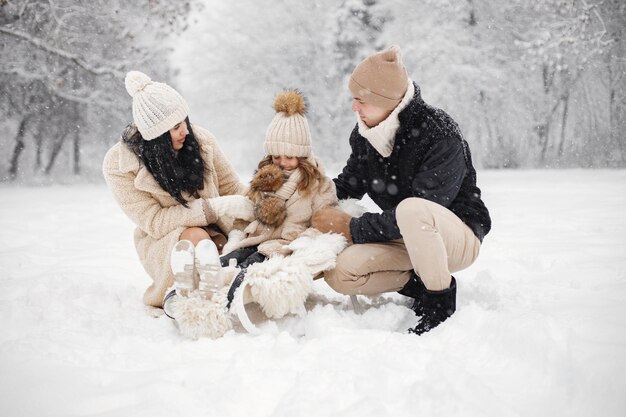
[[352, 206], [236, 206], [234, 237]]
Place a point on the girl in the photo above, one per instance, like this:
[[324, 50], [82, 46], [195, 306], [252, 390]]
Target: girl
[[288, 187]]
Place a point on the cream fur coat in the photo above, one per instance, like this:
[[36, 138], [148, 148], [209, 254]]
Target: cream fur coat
[[160, 219], [300, 208]]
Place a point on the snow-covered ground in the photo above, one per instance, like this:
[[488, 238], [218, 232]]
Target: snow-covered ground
[[540, 328]]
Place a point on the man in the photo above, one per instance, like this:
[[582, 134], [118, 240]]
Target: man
[[412, 160]]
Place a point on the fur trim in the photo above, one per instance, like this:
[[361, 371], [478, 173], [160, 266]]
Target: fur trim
[[284, 292], [281, 285], [290, 102], [197, 317], [269, 179], [271, 211], [316, 250]]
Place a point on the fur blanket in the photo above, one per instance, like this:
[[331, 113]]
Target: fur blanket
[[281, 284]]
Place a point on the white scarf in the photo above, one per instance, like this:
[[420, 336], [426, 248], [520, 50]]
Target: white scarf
[[382, 136]]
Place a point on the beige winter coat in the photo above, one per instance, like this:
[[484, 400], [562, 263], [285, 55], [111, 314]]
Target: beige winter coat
[[300, 209], [160, 219]]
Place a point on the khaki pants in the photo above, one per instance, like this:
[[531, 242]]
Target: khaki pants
[[435, 242]]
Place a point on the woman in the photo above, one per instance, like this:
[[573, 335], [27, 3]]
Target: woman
[[172, 180]]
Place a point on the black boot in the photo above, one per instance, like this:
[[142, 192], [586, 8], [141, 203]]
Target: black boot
[[240, 255], [414, 288], [436, 307]]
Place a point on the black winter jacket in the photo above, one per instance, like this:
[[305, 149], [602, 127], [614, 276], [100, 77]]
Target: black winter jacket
[[430, 159]]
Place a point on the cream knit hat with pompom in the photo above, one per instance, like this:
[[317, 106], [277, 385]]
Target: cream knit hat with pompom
[[157, 107], [288, 134]]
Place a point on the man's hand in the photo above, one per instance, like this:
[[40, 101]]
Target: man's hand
[[332, 220]]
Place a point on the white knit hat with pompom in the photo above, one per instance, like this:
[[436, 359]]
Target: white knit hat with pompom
[[288, 134], [157, 107]]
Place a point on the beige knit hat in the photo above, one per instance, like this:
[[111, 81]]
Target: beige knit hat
[[157, 107], [380, 79], [288, 134]]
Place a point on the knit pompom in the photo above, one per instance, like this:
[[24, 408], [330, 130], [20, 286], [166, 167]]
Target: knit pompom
[[135, 82], [290, 102], [392, 54]]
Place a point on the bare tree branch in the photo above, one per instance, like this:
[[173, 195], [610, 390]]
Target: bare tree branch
[[97, 70], [94, 98]]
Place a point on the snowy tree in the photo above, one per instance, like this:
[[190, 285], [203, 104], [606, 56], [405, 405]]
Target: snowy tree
[[447, 52], [560, 40], [614, 12], [356, 27], [62, 70], [532, 83], [232, 62], [523, 79], [237, 62]]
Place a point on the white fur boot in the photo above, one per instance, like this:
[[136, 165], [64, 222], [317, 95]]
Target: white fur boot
[[208, 265], [199, 305], [197, 317], [182, 264]]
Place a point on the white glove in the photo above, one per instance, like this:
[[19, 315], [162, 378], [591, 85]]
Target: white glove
[[236, 206]]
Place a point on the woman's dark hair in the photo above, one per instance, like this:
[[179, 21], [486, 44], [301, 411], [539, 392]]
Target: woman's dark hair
[[175, 172]]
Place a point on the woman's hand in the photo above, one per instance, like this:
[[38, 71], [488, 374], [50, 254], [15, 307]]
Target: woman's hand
[[236, 206]]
